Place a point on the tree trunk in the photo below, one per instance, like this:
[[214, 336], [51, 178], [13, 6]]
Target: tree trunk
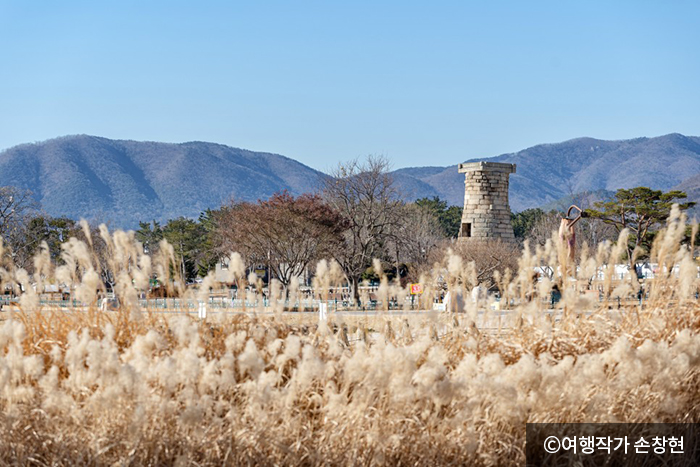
[[355, 290], [632, 264], [398, 272]]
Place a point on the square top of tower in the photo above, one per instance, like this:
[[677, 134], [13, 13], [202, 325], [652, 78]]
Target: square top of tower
[[487, 166]]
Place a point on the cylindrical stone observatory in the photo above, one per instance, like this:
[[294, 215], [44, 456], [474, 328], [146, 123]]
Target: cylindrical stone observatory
[[486, 214]]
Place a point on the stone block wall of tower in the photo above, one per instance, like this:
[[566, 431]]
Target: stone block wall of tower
[[486, 214]]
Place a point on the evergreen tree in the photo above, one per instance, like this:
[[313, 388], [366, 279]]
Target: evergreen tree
[[640, 210], [449, 217]]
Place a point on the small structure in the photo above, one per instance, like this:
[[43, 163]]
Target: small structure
[[486, 214], [567, 233]]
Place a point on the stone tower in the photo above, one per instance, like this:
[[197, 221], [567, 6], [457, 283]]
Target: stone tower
[[486, 214]]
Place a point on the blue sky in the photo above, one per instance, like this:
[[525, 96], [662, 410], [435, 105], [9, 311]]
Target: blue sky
[[423, 83]]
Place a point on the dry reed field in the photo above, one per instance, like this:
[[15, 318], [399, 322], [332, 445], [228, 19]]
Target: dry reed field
[[138, 388]]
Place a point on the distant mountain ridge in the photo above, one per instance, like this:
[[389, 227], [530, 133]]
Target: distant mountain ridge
[[549, 172], [125, 181]]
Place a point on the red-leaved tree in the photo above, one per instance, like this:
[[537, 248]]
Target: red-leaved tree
[[285, 233]]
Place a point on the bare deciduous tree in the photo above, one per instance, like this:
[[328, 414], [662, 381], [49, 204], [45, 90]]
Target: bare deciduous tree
[[365, 195], [17, 207], [488, 256], [415, 236]]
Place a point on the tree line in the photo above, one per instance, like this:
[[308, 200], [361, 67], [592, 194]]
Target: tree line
[[358, 216]]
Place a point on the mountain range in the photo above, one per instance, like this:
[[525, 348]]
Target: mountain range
[[124, 182], [548, 172]]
